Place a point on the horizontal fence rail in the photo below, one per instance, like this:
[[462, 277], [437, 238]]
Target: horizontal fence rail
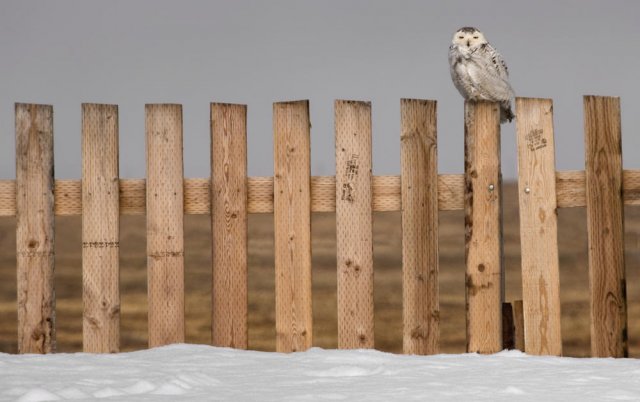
[[386, 194], [35, 197]]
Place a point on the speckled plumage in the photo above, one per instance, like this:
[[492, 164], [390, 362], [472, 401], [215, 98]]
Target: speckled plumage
[[478, 70]]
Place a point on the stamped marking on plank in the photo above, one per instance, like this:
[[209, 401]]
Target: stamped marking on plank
[[352, 169], [100, 244], [535, 139]]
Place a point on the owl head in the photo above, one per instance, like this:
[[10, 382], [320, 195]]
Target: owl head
[[469, 38]]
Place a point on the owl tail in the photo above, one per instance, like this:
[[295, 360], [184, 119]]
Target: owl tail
[[506, 114]]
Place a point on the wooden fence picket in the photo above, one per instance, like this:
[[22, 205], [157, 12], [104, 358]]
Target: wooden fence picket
[[354, 225], [35, 228], [538, 226], [165, 237], [483, 227], [292, 225], [419, 164], [100, 229], [605, 226], [229, 224]]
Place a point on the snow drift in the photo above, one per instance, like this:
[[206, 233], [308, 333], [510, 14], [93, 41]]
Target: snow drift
[[197, 372]]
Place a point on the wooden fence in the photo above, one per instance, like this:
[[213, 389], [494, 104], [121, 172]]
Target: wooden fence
[[292, 194]]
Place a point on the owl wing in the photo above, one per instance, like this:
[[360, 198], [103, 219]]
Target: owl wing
[[490, 74], [498, 62]]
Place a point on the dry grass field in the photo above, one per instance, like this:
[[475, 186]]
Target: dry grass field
[[387, 265]]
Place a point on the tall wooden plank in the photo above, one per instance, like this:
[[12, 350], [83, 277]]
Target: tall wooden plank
[[35, 228], [165, 240], [353, 224], [419, 163], [538, 226], [292, 225], [100, 229], [483, 231], [605, 226], [229, 224]]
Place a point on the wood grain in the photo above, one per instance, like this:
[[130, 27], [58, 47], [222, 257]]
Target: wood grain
[[538, 226], [165, 237], [100, 229], [605, 226], [292, 225], [35, 228], [229, 224], [483, 227], [419, 165], [353, 224]]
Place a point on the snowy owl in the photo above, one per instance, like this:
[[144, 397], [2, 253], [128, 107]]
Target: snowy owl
[[478, 71]]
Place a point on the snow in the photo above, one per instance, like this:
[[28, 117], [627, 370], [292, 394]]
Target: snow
[[197, 372]]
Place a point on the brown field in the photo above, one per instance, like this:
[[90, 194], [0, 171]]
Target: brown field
[[387, 265]]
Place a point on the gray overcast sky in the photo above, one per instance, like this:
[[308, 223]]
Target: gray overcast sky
[[256, 52]]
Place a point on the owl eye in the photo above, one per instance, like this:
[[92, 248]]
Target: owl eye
[[460, 37], [475, 37]]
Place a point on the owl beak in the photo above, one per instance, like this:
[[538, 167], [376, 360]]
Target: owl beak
[[468, 43]]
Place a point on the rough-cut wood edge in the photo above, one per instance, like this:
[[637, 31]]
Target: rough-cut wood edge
[[508, 327], [570, 192], [35, 228], [484, 274], [292, 225], [100, 229], [165, 229], [605, 226], [518, 324], [419, 164], [229, 327], [538, 226], [354, 237]]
